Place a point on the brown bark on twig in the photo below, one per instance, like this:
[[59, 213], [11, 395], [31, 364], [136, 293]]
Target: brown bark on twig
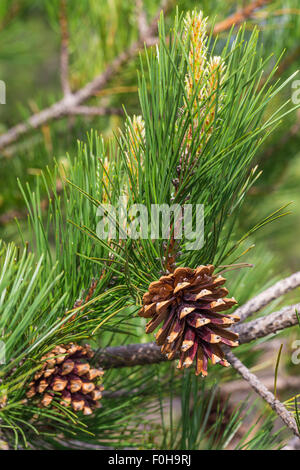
[[261, 300], [64, 106], [149, 353], [240, 16], [71, 101], [228, 388], [283, 383], [268, 396], [129, 355], [95, 111], [264, 326]]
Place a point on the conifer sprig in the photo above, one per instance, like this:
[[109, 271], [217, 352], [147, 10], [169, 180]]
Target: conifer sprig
[[211, 108]]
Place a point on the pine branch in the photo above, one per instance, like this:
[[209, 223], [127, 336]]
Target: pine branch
[[147, 36], [264, 326], [268, 396], [261, 300], [67, 103], [67, 106], [228, 388], [149, 353], [95, 111], [129, 355], [240, 16], [142, 354], [64, 111], [283, 383]]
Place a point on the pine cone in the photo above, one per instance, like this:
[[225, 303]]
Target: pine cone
[[189, 302], [66, 373]]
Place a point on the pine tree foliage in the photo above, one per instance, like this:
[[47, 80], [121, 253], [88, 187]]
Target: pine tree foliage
[[203, 120]]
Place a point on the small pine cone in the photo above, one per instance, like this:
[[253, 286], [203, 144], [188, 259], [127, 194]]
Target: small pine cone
[[188, 302], [67, 374]]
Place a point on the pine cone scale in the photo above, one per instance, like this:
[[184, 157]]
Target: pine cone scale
[[188, 304], [65, 373]]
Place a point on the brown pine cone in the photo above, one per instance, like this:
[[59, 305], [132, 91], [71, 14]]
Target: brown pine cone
[[67, 374], [189, 302]]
